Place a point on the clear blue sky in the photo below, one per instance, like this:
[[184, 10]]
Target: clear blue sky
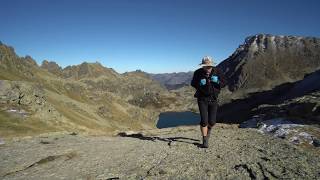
[[153, 35]]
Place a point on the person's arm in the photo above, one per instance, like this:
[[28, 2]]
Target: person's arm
[[194, 81]]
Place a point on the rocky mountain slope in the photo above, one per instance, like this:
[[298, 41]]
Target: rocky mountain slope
[[265, 61], [172, 153]]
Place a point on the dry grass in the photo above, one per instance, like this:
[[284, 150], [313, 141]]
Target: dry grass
[[11, 126]]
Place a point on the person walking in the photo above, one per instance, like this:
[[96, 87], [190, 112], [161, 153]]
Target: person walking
[[208, 81]]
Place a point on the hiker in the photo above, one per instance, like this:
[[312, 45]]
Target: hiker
[[207, 80]]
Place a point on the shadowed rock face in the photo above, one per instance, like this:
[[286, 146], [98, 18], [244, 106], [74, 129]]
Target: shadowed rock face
[[264, 61], [298, 100]]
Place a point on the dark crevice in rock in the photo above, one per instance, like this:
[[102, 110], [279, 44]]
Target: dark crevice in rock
[[262, 170], [252, 174], [272, 174], [113, 178], [265, 158]]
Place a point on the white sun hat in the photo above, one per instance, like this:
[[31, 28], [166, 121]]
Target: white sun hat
[[207, 61]]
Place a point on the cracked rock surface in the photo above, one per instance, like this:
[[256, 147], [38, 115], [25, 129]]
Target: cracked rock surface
[[169, 153]]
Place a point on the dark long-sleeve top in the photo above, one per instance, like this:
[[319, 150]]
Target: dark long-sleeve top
[[210, 88]]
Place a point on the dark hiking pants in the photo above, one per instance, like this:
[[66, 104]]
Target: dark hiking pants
[[208, 111]]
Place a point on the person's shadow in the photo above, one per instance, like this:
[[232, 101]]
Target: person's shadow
[[169, 140]]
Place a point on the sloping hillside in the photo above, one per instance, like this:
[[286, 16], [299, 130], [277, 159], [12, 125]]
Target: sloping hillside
[[88, 98]]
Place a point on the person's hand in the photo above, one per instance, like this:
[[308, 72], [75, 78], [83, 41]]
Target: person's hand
[[203, 82], [215, 79]]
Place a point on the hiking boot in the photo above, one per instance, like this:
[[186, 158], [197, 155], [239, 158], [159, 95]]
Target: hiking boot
[[204, 141]]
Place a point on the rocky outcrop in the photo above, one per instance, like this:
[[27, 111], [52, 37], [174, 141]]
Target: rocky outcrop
[[52, 67], [13, 67]]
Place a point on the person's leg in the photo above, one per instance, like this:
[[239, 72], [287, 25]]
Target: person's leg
[[209, 131], [204, 130], [212, 114], [203, 108]]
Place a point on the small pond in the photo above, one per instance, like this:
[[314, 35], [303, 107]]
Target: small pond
[[173, 119]]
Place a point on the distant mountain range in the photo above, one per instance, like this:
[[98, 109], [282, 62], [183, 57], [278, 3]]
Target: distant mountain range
[[92, 98], [173, 80]]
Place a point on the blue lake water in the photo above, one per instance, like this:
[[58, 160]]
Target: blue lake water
[[173, 119]]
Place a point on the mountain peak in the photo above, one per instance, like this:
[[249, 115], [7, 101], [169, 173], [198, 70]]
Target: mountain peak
[[30, 60], [88, 70], [137, 72], [266, 60], [8, 50], [52, 67]]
